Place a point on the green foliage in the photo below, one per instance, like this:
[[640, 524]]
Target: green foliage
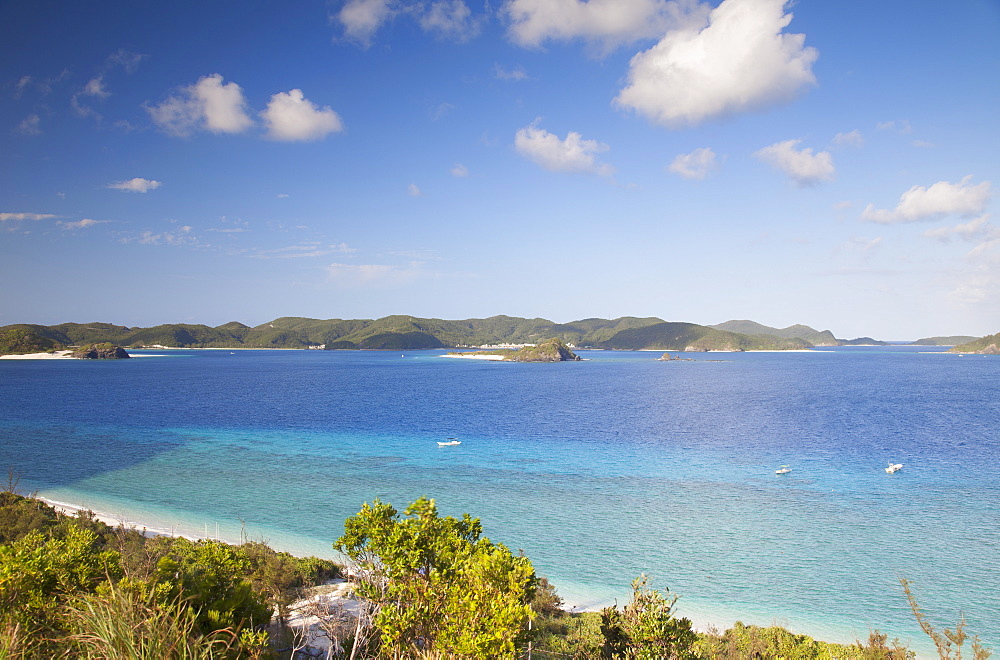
[[22, 339], [552, 350], [213, 578], [646, 628], [128, 623], [38, 573], [989, 345], [282, 577], [437, 585], [743, 641]]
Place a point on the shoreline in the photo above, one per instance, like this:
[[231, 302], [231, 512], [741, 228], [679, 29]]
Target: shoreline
[[54, 355], [704, 617]]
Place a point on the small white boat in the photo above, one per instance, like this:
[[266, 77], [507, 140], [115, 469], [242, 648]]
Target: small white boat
[[451, 442], [894, 467], [784, 469]]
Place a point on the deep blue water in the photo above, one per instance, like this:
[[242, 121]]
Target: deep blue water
[[599, 470]]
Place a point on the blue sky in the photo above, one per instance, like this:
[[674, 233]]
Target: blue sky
[[826, 163]]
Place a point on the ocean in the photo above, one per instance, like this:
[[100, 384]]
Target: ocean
[[598, 470]]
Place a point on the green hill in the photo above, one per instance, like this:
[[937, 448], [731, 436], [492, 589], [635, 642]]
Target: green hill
[[988, 345], [944, 341], [692, 337], [798, 331], [401, 332], [24, 339]]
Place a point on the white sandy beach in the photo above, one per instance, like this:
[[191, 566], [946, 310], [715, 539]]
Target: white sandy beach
[[469, 356], [55, 355]]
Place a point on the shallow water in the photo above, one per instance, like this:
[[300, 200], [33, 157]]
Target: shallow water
[[599, 470]]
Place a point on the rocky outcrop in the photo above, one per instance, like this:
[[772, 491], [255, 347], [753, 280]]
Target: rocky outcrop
[[553, 350], [105, 351]]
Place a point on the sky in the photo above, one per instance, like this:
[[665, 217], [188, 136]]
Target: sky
[[827, 163]]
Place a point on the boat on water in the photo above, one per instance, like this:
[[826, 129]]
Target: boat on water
[[450, 442], [893, 467], [784, 469]]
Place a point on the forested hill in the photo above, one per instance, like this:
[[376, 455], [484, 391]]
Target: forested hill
[[409, 332], [814, 337]]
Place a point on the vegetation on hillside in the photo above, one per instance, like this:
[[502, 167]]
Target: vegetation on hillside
[[431, 587], [988, 345], [25, 339], [798, 331], [944, 341], [409, 332], [71, 586]]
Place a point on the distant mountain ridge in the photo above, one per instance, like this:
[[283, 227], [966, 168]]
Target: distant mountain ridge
[[811, 335], [410, 332], [400, 332]]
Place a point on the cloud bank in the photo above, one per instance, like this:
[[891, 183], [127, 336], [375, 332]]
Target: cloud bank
[[609, 23], [738, 61], [939, 200], [447, 19]]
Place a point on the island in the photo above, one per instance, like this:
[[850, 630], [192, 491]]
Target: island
[[988, 345], [552, 350]]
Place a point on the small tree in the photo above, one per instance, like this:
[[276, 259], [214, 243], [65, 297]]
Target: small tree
[[946, 639], [646, 628], [436, 585]]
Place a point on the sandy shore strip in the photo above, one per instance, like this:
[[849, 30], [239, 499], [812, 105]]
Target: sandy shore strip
[[469, 356], [121, 521], [55, 355]]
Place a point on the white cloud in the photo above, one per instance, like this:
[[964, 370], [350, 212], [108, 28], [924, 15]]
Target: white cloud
[[281, 196], [137, 184], [803, 166], [695, 165], [413, 191], [739, 61], [514, 74], [609, 23], [291, 117], [979, 231], [448, 19], [305, 250], [95, 87], [208, 104], [852, 139], [80, 224], [4, 217], [939, 200], [451, 19], [361, 19], [30, 125], [460, 170], [574, 154]]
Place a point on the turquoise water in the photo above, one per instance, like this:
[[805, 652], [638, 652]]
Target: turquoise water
[[599, 470]]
